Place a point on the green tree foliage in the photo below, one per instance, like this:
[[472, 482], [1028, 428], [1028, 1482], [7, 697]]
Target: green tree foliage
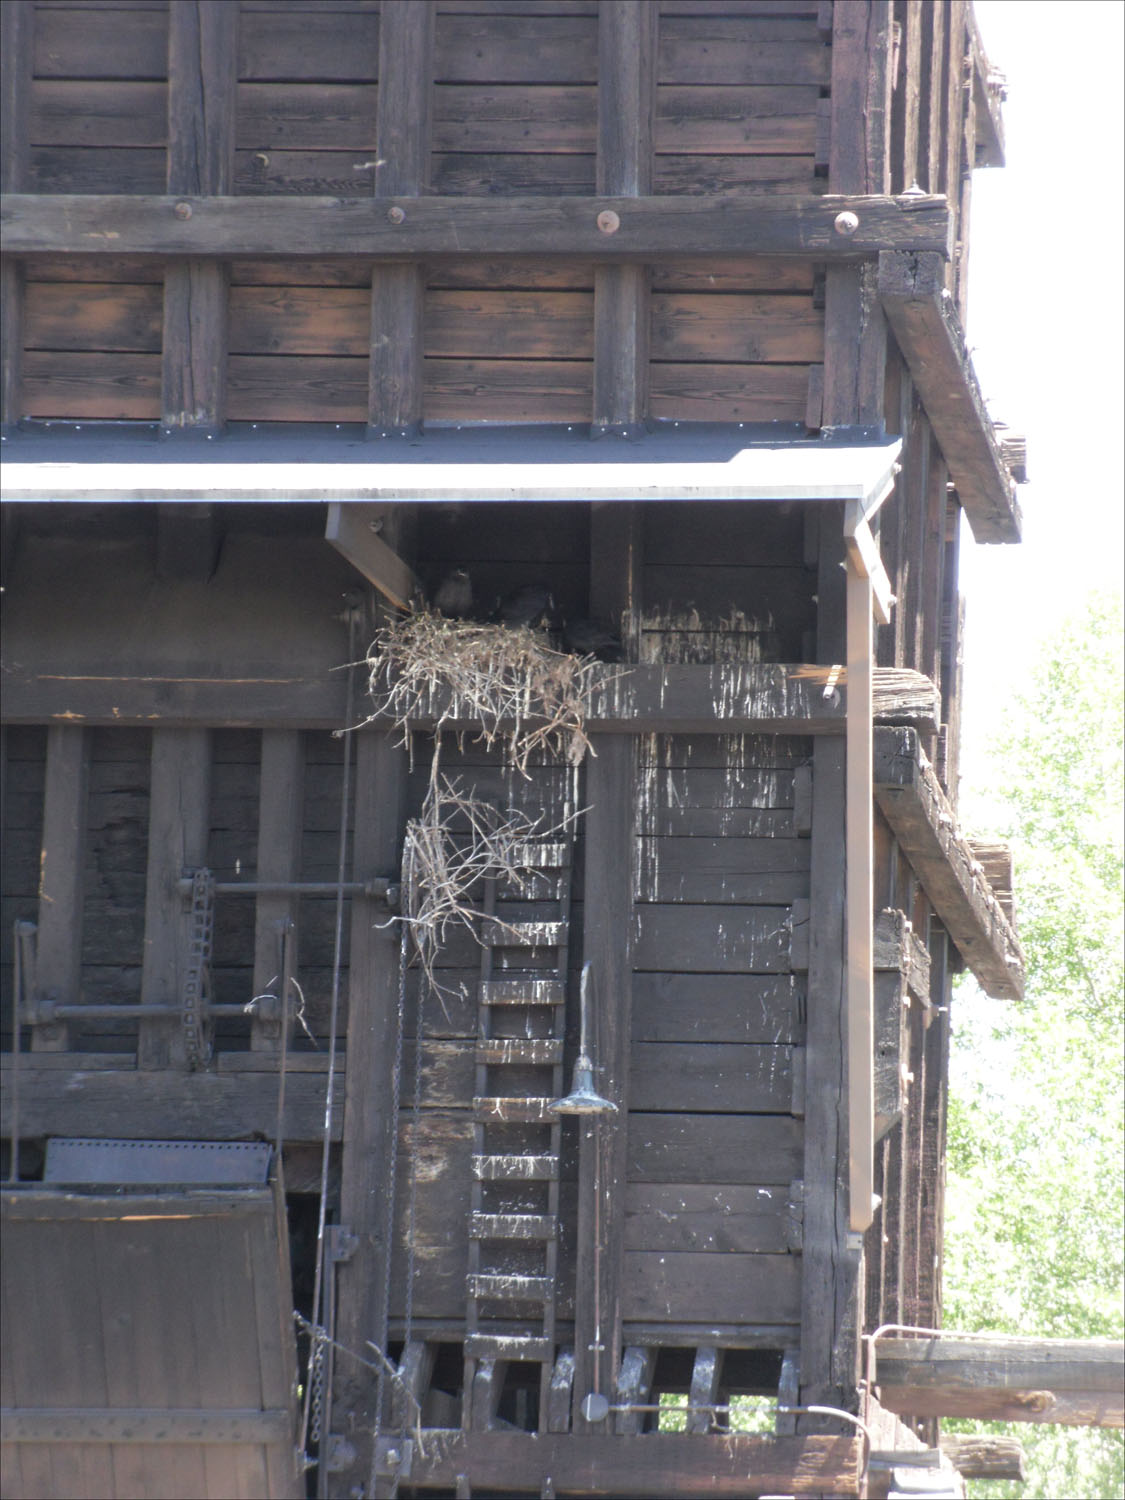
[[1035, 1201]]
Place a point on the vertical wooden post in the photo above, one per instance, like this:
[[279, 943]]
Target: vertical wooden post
[[280, 807], [202, 76], [627, 33], [178, 826], [59, 945], [402, 134], [860, 921], [615, 585], [17, 19]]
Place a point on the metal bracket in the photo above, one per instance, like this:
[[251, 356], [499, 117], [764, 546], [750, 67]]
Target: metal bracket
[[394, 1457], [339, 1453], [342, 1243]]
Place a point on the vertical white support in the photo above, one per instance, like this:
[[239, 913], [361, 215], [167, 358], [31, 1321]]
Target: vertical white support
[[860, 917]]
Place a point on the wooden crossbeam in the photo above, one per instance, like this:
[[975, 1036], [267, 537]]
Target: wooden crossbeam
[[925, 324], [597, 228], [1075, 1382]]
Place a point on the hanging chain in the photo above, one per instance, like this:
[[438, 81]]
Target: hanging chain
[[316, 1377], [197, 973]]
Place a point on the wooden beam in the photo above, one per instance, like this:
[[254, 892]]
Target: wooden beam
[[985, 1457], [860, 913], [62, 872], [354, 530], [988, 90], [911, 291], [1075, 1382], [664, 1466], [280, 808], [202, 74], [647, 228], [626, 96], [179, 822], [404, 111], [863, 552], [913, 803], [17, 21], [615, 595], [79, 1098]]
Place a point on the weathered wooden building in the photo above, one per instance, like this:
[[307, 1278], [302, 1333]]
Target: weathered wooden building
[[654, 308]]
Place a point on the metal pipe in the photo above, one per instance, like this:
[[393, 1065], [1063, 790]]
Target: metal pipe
[[379, 888], [46, 1014]]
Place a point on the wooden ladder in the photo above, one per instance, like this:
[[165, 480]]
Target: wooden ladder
[[512, 1282]]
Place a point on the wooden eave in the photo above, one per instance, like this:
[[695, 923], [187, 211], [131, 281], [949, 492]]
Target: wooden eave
[[924, 321], [598, 228], [911, 799], [988, 97]]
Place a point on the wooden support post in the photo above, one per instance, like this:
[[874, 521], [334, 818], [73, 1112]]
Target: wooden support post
[[280, 806], [634, 1382], [706, 1374], [17, 20], [953, 98], [370, 1130], [402, 133], [626, 93], [933, 1104], [61, 878], [860, 857], [202, 73], [615, 571], [178, 824], [905, 122]]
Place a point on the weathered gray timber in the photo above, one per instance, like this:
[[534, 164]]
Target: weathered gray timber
[[17, 22], [985, 1457], [912, 293], [61, 870], [912, 801], [80, 224], [1077, 1382]]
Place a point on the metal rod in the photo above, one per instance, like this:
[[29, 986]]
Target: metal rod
[[124, 1012], [380, 887]]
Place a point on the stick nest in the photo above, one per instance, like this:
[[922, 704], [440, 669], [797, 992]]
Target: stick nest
[[518, 694]]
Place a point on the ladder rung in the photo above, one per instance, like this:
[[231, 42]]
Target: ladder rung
[[522, 1111], [498, 934], [541, 856], [522, 992], [539, 1051], [511, 1288], [515, 1168], [517, 1346], [513, 1227]]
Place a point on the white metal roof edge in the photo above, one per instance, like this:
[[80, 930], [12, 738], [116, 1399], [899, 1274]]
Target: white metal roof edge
[[862, 472]]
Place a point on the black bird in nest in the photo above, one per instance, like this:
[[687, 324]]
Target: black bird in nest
[[531, 605], [454, 595], [592, 638]]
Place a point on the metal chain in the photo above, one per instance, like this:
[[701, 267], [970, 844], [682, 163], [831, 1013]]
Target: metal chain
[[197, 1032], [316, 1377]]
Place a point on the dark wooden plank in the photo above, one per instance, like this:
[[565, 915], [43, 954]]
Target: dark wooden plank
[[61, 870], [728, 392], [97, 169], [715, 1149], [513, 48], [933, 345], [733, 174], [78, 1097], [649, 227], [111, 113], [1070, 1381], [743, 327], [720, 1077], [723, 870], [686, 1216], [17, 23], [82, 41], [713, 939], [87, 385], [402, 130], [699, 1287], [60, 315], [907, 95], [918, 811], [278, 858], [691, 52], [202, 46], [756, 121], [179, 807], [656, 1464], [717, 1008]]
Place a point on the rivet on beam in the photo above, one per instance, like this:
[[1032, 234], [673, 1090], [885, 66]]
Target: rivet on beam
[[846, 223], [608, 221], [182, 210], [396, 214]]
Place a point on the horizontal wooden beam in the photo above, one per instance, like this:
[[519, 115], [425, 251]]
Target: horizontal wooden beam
[[598, 228], [654, 1464], [1076, 1382], [719, 699], [925, 324], [91, 1424], [911, 799], [164, 1104], [984, 1457]]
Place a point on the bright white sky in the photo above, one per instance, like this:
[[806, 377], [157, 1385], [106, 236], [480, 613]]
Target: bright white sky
[[1045, 323]]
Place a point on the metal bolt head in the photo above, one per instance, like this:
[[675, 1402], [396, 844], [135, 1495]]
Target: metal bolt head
[[608, 221], [846, 223], [396, 214], [182, 210], [393, 1458]]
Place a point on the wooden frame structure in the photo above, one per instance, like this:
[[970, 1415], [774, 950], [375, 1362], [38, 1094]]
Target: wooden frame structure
[[656, 308]]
